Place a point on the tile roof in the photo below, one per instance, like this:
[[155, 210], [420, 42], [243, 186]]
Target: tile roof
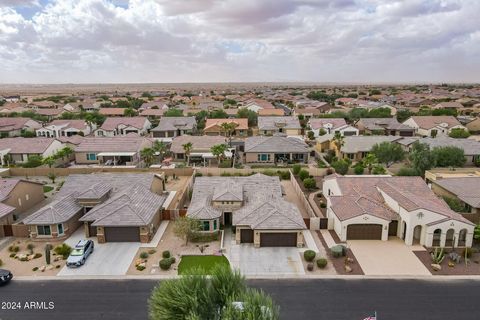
[[354, 144], [317, 123], [242, 124], [112, 111], [175, 123], [198, 142], [271, 112], [469, 146], [273, 123], [112, 144], [60, 210], [428, 122], [275, 144], [5, 210], [26, 145], [466, 189], [383, 123], [77, 124], [6, 186], [9, 124], [112, 123]]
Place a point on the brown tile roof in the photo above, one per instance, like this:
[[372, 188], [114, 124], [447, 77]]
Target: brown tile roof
[[112, 111], [9, 124], [428, 122], [466, 189], [242, 123], [77, 124], [26, 145], [198, 142], [112, 144], [114, 122]]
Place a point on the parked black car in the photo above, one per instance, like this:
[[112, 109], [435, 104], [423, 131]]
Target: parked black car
[[5, 276]]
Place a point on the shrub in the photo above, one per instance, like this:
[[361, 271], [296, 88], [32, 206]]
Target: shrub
[[143, 255], [57, 266], [140, 267], [12, 255], [406, 171], [166, 254], [309, 255], [1, 262], [284, 175], [152, 251], [203, 237], [322, 263], [37, 255], [64, 250], [173, 260], [310, 266], [303, 174], [165, 264], [468, 252], [225, 164], [296, 169], [358, 169], [198, 174], [338, 251], [309, 183], [14, 248], [23, 259], [329, 171], [323, 205], [35, 269], [30, 247]]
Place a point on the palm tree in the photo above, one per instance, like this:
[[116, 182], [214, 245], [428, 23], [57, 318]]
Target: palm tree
[[218, 151], [229, 128], [187, 147], [67, 152], [369, 161], [147, 155], [338, 141], [160, 147], [50, 161]]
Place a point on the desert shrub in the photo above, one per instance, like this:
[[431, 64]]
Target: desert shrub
[[309, 183], [23, 259], [309, 255], [284, 175], [338, 251], [30, 247], [303, 174], [152, 251], [14, 249], [407, 171], [165, 264], [35, 269], [140, 267], [173, 260], [310, 266], [37, 255], [12, 255], [358, 169], [198, 174], [323, 205], [63, 250], [166, 254], [225, 174], [468, 252], [296, 169], [322, 263], [204, 237], [143, 255], [57, 266], [225, 164]]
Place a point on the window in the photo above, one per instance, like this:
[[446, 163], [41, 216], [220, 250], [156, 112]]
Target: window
[[206, 225], [91, 156], [100, 133], [263, 157], [44, 230], [214, 224], [60, 228]]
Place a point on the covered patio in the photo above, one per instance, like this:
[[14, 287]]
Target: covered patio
[[117, 158]]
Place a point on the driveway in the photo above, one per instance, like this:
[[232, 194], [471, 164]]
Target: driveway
[[112, 258], [392, 257], [252, 261]]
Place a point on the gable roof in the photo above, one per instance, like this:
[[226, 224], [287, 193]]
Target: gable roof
[[383, 123], [242, 124], [354, 144], [275, 144], [58, 211], [26, 145], [112, 144], [317, 123], [175, 123], [466, 189], [113, 122], [428, 122], [273, 123], [10, 124], [198, 142], [469, 146]]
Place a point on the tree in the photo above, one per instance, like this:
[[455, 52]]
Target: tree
[[218, 151], [248, 114], [218, 114], [358, 168], [200, 297], [403, 115], [421, 158], [322, 132], [303, 174], [388, 153], [33, 161], [296, 168], [369, 161], [67, 152], [50, 161], [309, 183], [338, 141], [407, 171], [129, 112], [341, 166], [229, 129], [185, 227], [449, 156], [161, 148], [147, 155], [379, 169], [310, 135], [187, 147], [173, 112], [459, 133]]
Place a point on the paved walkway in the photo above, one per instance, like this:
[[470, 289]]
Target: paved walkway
[[392, 257], [309, 241], [158, 236], [328, 238]]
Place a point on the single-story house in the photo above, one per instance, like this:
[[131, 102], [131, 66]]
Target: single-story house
[[473, 125], [16, 197], [463, 189], [201, 148], [114, 207], [121, 126], [275, 149], [112, 112], [379, 207], [62, 128], [449, 105], [331, 126], [17, 150], [471, 148], [307, 112], [433, 126], [213, 127], [116, 151], [289, 126], [271, 112], [254, 205], [50, 113], [384, 126], [356, 148], [256, 105], [171, 127], [13, 127]]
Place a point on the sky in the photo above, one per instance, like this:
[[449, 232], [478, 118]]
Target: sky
[[167, 41]]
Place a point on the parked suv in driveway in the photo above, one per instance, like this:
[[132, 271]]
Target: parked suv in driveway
[[80, 253], [5, 276]]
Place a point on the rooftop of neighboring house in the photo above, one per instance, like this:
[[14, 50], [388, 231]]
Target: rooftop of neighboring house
[[354, 144], [271, 112], [263, 206], [466, 189], [113, 122], [264, 104], [198, 142], [317, 123], [130, 143], [112, 111], [77, 124], [152, 112], [383, 123], [175, 123], [49, 112], [469, 146], [272, 123], [308, 110], [74, 139], [428, 122], [26, 145], [130, 199], [275, 143], [9, 124], [451, 104], [363, 195], [242, 124]]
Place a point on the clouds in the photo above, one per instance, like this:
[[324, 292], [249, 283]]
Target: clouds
[[248, 40]]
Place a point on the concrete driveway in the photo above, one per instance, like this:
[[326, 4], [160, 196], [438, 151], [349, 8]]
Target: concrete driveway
[[281, 261], [390, 257], [112, 258]]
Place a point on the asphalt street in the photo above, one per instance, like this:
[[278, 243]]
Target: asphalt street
[[298, 299]]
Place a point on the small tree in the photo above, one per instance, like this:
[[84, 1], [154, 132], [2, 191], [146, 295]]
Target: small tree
[[296, 169], [449, 156], [421, 158], [341, 166], [185, 227], [50, 161], [187, 148], [388, 153], [310, 135], [303, 174], [459, 133], [129, 112], [309, 183], [369, 161], [33, 161], [52, 176], [229, 129], [338, 141], [218, 151]]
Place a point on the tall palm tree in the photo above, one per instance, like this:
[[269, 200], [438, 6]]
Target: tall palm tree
[[147, 155], [160, 147], [187, 147], [218, 151], [338, 141], [50, 161], [369, 161], [229, 128]]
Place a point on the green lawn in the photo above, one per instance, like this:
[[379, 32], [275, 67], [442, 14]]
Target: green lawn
[[47, 189], [206, 263]]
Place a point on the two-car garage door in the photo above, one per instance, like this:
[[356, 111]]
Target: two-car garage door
[[280, 239], [122, 234], [364, 232]]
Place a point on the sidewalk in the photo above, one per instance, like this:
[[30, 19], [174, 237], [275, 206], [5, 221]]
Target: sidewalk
[[328, 238]]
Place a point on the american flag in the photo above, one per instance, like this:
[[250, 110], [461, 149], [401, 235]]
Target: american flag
[[374, 317]]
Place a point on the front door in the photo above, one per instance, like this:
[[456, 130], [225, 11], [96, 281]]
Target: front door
[[227, 218]]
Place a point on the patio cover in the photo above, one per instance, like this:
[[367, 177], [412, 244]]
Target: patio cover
[[115, 154]]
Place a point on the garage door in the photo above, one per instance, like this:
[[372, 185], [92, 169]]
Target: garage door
[[246, 236], [122, 234], [278, 239], [364, 232]]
